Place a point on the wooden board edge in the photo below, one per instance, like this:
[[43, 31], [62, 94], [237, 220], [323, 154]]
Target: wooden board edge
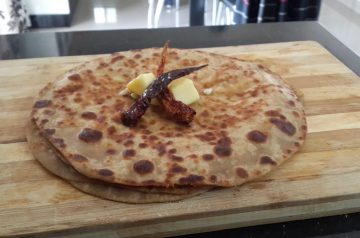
[[239, 220], [210, 223]]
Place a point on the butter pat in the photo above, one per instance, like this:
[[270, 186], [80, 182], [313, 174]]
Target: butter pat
[[124, 92], [208, 91], [134, 96], [140, 83], [183, 89]]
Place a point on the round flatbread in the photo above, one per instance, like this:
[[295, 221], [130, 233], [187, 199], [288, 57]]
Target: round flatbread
[[47, 156], [250, 124]]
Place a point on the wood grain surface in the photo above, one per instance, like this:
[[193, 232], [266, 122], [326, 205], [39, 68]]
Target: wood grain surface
[[323, 179]]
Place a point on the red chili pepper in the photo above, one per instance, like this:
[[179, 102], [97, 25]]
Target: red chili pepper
[[131, 116]]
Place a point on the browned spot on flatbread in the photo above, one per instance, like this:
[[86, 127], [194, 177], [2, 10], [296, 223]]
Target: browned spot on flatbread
[[291, 103], [117, 119], [143, 167], [89, 115], [284, 126], [161, 148], [193, 156], [153, 138], [49, 131], [70, 88], [100, 100], [105, 172], [267, 160], [213, 178], [111, 130], [42, 103], [296, 114], [129, 153], [117, 58], [223, 147], [272, 113], [176, 158], [256, 136], [44, 121], [90, 135], [130, 63], [208, 157], [146, 132], [175, 168], [254, 93], [242, 173], [206, 137], [78, 158], [191, 179], [205, 113], [102, 65], [143, 145], [77, 99], [111, 151], [74, 77], [128, 143]]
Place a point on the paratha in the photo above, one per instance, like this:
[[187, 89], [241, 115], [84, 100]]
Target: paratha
[[250, 124], [47, 156]]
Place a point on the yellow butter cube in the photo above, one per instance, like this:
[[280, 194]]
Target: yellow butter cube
[[140, 83], [134, 96], [183, 89]]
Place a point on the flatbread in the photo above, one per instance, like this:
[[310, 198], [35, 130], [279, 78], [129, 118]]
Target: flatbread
[[249, 125], [129, 196], [46, 155]]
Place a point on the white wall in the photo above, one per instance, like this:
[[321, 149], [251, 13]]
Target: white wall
[[45, 7], [342, 19]]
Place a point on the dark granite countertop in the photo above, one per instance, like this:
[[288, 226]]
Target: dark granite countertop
[[344, 226], [33, 45]]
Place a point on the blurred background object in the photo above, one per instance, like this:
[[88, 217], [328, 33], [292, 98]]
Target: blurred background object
[[130, 14], [340, 17], [13, 17], [51, 13], [257, 11]]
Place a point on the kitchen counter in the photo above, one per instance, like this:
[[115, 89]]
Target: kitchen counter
[[46, 44]]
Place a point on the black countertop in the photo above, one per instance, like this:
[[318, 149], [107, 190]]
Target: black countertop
[[344, 226], [33, 45]]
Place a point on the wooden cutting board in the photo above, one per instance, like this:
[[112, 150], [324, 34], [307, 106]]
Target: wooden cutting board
[[323, 179]]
